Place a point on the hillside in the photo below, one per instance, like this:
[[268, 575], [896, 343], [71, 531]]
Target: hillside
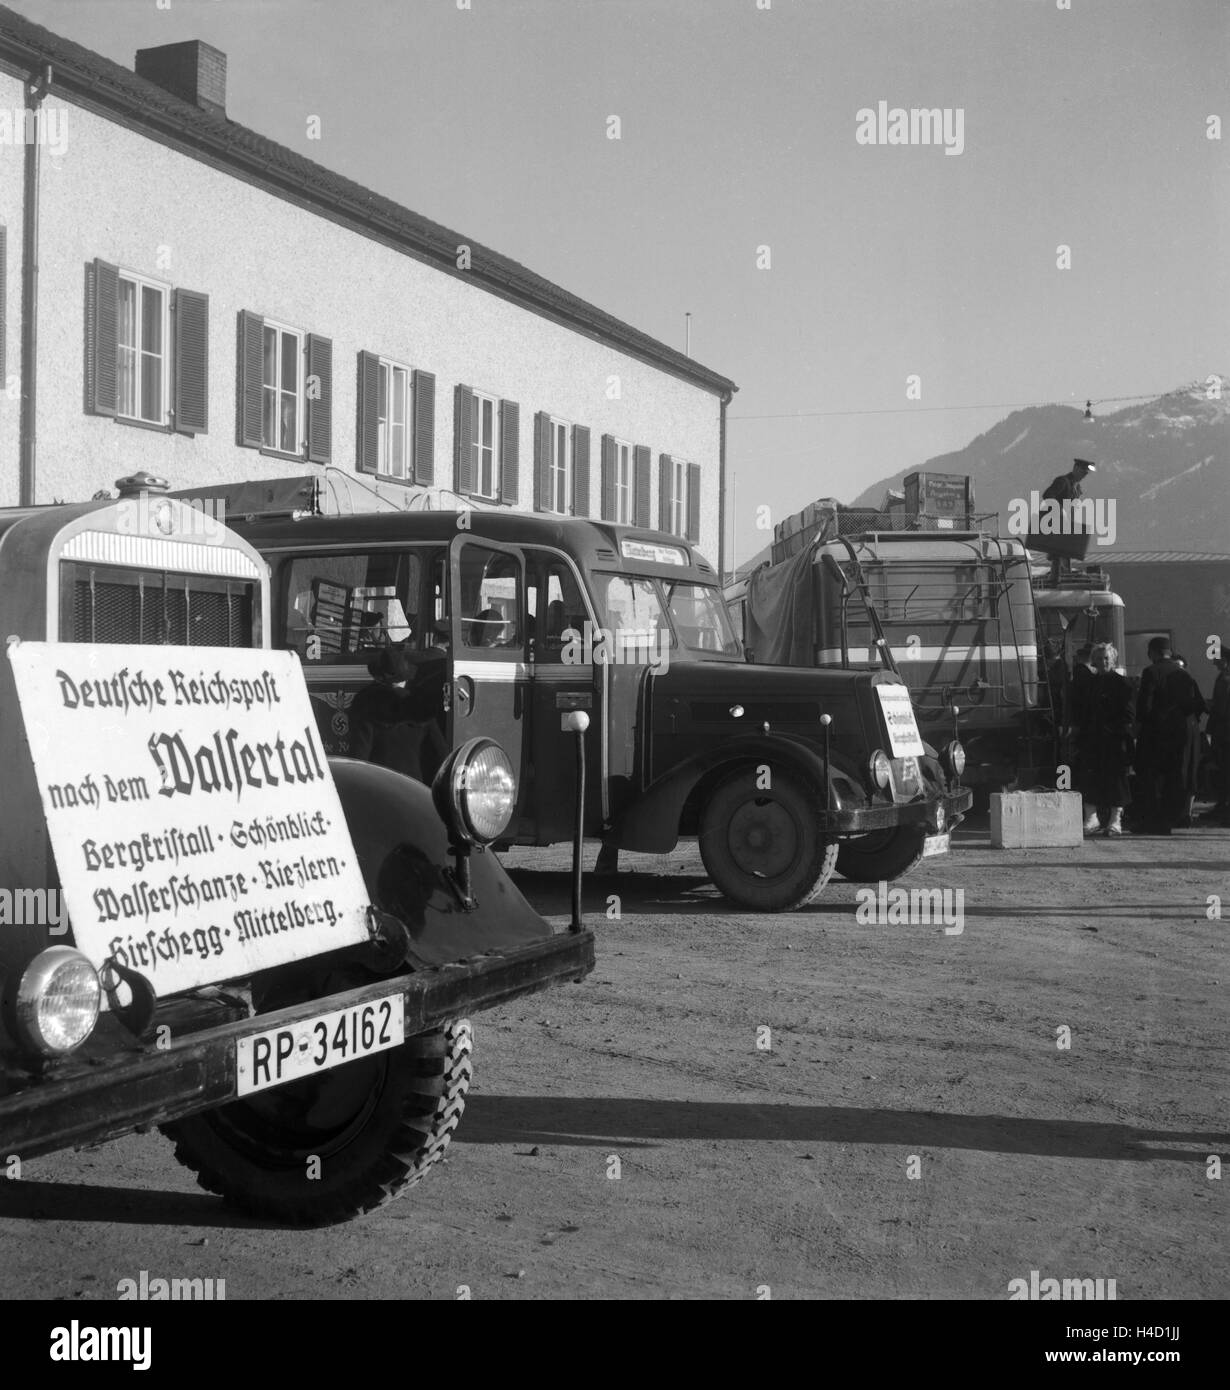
[[1166, 463]]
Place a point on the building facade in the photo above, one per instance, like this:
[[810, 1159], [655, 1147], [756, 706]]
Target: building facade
[[1182, 596], [183, 296]]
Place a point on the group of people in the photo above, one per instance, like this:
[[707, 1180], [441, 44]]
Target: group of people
[[1137, 755]]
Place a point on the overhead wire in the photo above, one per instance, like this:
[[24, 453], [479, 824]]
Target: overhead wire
[[1002, 405]]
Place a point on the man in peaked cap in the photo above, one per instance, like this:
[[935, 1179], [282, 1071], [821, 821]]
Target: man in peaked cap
[[1066, 488], [1068, 485]]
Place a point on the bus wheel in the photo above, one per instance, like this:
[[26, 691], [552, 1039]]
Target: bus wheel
[[336, 1145], [881, 855], [762, 846]]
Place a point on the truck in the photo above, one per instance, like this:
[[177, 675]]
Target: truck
[[512, 619], [967, 616], [308, 1063], [955, 609]]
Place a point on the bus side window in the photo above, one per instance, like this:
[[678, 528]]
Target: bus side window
[[490, 599], [340, 608], [556, 606]]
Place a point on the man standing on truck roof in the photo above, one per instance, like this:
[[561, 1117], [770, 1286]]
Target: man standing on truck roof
[[1067, 488]]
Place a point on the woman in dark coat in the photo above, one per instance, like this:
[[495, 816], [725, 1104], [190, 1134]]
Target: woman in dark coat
[[1104, 743]]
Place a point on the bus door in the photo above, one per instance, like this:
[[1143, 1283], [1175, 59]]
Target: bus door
[[562, 629], [487, 684]]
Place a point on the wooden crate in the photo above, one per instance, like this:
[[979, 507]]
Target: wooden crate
[[1036, 820]]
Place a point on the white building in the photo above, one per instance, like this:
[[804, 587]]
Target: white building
[[184, 296]]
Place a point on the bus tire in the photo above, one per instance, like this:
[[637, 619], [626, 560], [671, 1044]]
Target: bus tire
[[762, 847], [881, 855], [334, 1146]]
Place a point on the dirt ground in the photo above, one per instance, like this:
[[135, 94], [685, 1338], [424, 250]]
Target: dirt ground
[[628, 1138]]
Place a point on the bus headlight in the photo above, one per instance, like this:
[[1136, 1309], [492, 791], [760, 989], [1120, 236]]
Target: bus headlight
[[55, 1005], [953, 758], [881, 769], [475, 791]]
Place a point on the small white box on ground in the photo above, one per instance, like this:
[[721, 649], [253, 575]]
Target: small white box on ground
[[1036, 820]]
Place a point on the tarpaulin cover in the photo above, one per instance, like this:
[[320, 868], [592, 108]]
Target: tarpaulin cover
[[781, 618]]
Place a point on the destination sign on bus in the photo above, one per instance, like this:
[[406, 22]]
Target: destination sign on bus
[[649, 550]]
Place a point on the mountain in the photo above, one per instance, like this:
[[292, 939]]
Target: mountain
[[1166, 464]]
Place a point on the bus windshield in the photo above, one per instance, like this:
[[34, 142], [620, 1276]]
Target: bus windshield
[[675, 614], [700, 619]]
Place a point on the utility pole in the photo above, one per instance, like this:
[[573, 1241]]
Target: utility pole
[[734, 527], [687, 335]]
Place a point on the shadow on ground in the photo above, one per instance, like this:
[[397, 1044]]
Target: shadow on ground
[[577, 1120], [124, 1206]]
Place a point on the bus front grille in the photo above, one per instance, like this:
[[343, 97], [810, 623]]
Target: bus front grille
[[156, 609]]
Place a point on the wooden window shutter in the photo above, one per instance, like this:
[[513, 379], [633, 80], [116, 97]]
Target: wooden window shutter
[[606, 478], [666, 473], [102, 326], [191, 401], [251, 328], [319, 398], [510, 447], [641, 462], [367, 442], [463, 440], [542, 462], [4, 280], [580, 470], [423, 389], [693, 533]]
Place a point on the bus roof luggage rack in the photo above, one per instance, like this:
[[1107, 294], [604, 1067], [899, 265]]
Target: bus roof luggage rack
[[261, 497], [837, 521]]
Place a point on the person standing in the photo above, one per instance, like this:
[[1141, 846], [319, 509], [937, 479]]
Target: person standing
[[1083, 671], [1066, 488], [1219, 736], [394, 721], [1103, 738], [1168, 710]]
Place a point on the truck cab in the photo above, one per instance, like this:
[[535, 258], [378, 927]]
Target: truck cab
[[509, 622]]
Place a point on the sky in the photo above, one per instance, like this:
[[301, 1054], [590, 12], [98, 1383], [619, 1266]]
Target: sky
[[822, 274]]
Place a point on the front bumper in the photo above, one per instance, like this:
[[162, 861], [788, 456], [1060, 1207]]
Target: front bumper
[[91, 1099], [862, 820]]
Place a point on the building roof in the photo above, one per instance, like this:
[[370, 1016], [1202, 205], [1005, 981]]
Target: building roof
[[1150, 557], [101, 85]]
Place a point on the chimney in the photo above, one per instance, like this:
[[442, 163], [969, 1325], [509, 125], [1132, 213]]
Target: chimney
[[193, 71]]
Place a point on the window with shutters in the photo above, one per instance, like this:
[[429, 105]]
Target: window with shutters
[[625, 484], [559, 471], [485, 445], [281, 388], [393, 419], [676, 522], [142, 379]]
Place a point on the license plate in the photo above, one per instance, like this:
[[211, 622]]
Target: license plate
[[316, 1044], [935, 844]]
